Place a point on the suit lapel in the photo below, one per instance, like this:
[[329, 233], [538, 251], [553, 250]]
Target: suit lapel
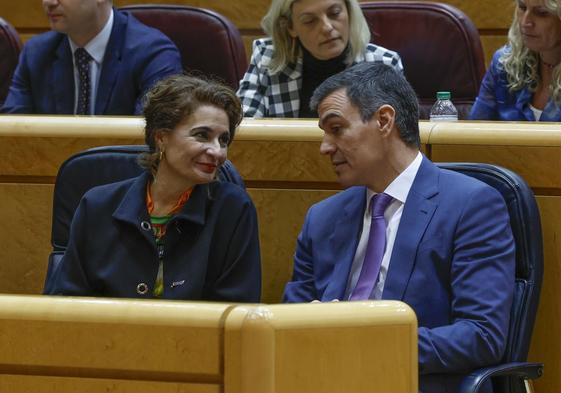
[[111, 63], [344, 241], [63, 79], [132, 208], [418, 210], [524, 97]]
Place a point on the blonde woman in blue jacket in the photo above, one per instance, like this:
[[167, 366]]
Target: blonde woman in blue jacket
[[174, 232], [524, 79], [309, 40]]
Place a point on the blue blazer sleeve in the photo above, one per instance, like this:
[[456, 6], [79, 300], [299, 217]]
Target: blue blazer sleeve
[[301, 288], [241, 276], [481, 286], [19, 99], [485, 106], [162, 60], [141, 51]]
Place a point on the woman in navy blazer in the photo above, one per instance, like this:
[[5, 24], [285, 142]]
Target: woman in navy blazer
[[174, 232]]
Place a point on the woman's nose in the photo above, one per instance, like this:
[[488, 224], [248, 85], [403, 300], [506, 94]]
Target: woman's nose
[[326, 24], [526, 19], [215, 148]]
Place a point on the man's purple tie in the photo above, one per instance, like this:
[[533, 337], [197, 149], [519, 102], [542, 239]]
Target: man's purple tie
[[82, 59], [374, 248]]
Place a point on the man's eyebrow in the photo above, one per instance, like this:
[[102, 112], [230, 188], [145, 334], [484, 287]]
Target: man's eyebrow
[[326, 118]]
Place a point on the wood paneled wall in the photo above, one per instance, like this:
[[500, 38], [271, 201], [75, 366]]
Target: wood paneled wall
[[492, 17]]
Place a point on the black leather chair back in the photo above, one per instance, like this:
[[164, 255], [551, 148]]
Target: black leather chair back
[[95, 167], [10, 46], [439, 46], [526, 229], [208, 42]]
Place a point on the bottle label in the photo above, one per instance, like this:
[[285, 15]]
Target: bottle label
[[444, 118]]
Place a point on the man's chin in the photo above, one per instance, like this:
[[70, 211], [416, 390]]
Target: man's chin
[[58, 27], [345, 181]]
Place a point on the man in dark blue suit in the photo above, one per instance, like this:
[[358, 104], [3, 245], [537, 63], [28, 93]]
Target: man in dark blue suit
[[446, 247], [124, 58]]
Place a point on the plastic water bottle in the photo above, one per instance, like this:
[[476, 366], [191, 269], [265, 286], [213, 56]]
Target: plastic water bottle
[[443, 109]]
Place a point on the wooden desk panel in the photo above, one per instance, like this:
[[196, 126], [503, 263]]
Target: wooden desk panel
[[42, 384], [281, 215], [538, 165], [64, 345], [328, 348], [26, 212], [546, 343], [105, 338]]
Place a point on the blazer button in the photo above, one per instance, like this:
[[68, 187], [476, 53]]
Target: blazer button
[[145, 225], [142, 289]]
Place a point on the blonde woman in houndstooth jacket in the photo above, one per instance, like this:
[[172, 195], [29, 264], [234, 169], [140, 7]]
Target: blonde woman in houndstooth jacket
[[309, 40]]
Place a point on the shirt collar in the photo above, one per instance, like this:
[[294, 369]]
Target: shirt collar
[[97, 45], [399, 188]]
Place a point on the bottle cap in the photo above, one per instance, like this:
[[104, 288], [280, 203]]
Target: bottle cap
[[443, 95]]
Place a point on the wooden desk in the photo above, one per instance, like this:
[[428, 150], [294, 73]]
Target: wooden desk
[[67, 345]]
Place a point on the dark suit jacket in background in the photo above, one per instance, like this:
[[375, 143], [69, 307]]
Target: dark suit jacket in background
[[452, 262], [135, 58]]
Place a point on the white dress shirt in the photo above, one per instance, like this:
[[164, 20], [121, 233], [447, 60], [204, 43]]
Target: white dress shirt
[[398, 189], [537, 112], [96, 48]]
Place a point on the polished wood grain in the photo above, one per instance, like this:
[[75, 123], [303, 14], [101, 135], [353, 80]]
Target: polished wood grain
[[42, 384], [545, 344], [486, 14], [281, 215], [26, 240], [112, 339], [55, 344], [358, 342]]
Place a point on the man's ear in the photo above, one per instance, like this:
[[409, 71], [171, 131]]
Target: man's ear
[[386, 118]]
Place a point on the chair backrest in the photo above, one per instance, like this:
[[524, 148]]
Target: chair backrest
[[10, 46], [95, 167], [208, 42], [439, 46], [526, 229]]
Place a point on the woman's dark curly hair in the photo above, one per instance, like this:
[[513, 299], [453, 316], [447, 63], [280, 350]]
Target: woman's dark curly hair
[[174, 99]]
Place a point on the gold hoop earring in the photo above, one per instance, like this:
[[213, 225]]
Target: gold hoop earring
[[161, 156]]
